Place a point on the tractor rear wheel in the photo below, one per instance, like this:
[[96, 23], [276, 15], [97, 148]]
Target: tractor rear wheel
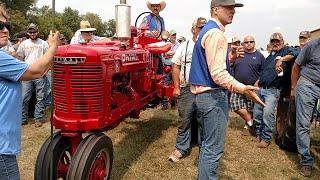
[[285, 135], [92, 160]]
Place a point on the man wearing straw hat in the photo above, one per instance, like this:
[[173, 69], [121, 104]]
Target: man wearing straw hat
[[85, 34], [154, 22]]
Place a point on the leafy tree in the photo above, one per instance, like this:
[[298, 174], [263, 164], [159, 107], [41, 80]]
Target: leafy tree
[[21, 5], [71, 20], [110, 28], [18, 20]]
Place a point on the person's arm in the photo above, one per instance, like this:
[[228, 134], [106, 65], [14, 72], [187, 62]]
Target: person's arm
[[176, 80], [294, 78], [292, 55], [176, 69], [215, 45], [39, 67]]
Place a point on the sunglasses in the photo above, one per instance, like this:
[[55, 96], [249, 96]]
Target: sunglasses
[[247, 42], [32, 32], [5, 25]]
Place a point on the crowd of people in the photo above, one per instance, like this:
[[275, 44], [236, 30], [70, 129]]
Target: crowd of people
[[211, 76]]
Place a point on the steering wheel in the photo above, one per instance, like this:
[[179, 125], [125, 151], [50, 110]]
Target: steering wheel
[[155, 35]]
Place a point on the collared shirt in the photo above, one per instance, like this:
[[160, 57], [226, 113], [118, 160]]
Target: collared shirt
[[11, 70], [183, 58], [216, 46], [269, 77]]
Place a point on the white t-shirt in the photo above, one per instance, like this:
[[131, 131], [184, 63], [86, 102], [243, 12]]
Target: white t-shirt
[[32, 50], [185, 63]]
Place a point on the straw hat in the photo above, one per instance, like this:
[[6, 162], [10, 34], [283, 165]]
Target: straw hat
[[86, 27], [162, 4]]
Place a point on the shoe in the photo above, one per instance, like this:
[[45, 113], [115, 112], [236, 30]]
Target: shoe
[[306, 171], [258, 138], [38, 124], [24, 123], [175, 156], [263, 144], [245, 132]]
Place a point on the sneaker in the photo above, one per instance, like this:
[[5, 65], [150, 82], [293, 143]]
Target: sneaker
[[263, 144], [175, 156], [38, 124], [306, 170], [24, 123]]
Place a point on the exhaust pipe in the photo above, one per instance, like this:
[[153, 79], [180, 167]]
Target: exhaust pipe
[[123, 21]]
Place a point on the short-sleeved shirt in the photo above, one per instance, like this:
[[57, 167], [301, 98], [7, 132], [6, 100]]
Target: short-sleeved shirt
[[247, 69], [309, 59], [11, 70], [183, 58], [32, 50]]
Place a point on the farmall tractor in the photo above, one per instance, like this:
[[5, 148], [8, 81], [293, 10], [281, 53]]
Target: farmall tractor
[[95, 86]]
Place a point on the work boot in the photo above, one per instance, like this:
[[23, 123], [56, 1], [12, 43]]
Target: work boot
[[306, 171]]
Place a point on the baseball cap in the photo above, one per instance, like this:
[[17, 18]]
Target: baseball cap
[[199, 22], [305, 34], [235, 39], [173, 32], [215, 3], [277, 36], [32, 26]]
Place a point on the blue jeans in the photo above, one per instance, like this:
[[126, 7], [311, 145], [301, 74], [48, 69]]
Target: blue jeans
[[186, 108], [39, 86], [307, 94], [9, 167], [264, 117], [48, 94], [212, 113]]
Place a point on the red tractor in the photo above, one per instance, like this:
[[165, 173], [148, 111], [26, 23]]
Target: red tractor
[[95, 86]]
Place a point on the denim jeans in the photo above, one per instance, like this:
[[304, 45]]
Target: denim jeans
[[39, 86], [48, 94], [212, 114], [9, 167], [186, 108], [307, 94], [264, 117]]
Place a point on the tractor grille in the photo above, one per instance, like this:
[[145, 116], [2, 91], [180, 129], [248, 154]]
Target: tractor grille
[[78, 88]]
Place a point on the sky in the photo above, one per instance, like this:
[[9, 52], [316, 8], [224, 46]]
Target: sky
[[259, 18]]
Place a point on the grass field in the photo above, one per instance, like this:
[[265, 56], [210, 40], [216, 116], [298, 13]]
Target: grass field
[[141, 148]]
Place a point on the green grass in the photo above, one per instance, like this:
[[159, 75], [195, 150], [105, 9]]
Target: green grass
[[141, 148]]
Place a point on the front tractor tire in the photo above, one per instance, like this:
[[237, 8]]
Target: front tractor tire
[[93, 159]]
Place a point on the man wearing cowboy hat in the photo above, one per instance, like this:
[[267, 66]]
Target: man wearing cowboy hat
[[154, 25], [210, 81], [85, 34]]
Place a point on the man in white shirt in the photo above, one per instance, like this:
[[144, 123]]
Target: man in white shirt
[[180, 73], [30, 51]]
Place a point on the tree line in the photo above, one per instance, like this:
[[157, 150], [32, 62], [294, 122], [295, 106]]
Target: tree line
[[67, 22]]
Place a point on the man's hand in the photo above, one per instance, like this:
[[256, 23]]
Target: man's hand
[[176, 92], [279, 65], [53, 39], [249, 91], [236, 52]]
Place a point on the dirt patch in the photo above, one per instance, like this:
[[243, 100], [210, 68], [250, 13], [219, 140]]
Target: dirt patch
[[141, 148]]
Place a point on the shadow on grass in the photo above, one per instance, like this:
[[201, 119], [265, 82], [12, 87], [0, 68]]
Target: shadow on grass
[[137, 140]]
